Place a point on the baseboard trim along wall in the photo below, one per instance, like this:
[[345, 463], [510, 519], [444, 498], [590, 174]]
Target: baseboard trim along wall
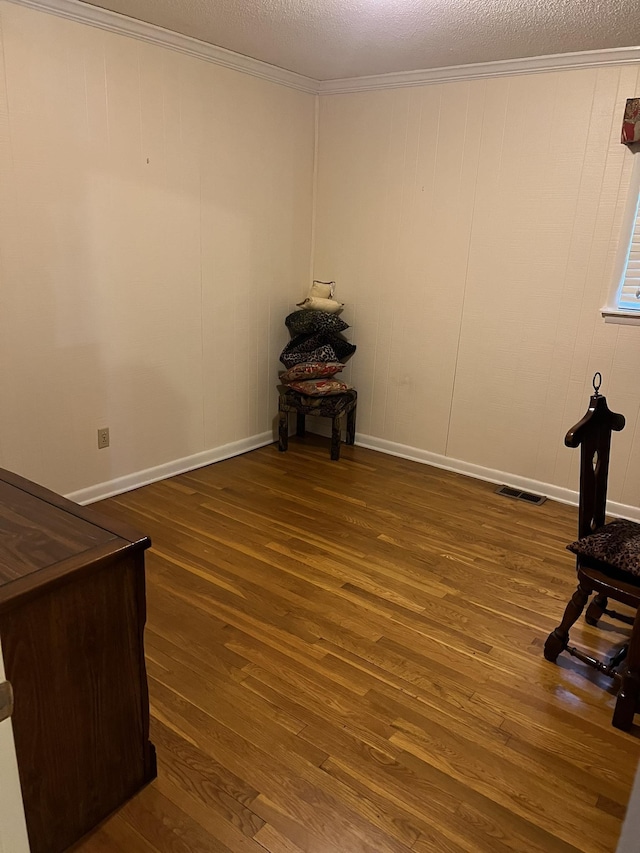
[[169, 469], [491, 475], [217, 454]]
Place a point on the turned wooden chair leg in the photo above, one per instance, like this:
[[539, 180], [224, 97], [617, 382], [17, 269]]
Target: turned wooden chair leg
[[629, 693], [596, 609], [351, 426], [300, 425], [557, 640], [336, 429], [283, 431]]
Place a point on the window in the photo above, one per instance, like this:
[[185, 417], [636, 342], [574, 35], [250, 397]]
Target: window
[[623, 305]]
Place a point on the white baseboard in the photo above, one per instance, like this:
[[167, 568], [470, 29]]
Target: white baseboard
[[491, 475], [169, 469], [415, 454]]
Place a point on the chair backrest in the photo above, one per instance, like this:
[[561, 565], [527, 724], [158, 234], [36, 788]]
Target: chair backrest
[[593, 434]]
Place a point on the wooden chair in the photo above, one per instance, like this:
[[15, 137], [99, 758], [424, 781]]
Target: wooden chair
[[593, 435]]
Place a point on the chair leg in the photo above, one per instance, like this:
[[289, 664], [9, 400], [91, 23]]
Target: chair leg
[[557, 640], [300, 425], [596, 609], [336, 429], [283, 432], [351, 426], [629, 693]]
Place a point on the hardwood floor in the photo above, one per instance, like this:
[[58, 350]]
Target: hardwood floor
[[346, 657]]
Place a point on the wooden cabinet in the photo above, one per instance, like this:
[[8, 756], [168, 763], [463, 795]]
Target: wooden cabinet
[[72, 614]]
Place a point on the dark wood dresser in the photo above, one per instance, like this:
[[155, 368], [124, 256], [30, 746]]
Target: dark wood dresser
[[72, 614]]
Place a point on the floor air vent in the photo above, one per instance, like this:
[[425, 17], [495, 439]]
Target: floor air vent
[[529, 498]]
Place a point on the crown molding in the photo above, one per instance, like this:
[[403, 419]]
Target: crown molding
[[113, 22], [95, 16], [482, 70]]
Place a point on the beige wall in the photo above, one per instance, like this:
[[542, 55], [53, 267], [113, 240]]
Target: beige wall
[[471, 228], [155, 226]]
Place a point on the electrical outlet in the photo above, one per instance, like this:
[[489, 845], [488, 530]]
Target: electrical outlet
[[103, 438]]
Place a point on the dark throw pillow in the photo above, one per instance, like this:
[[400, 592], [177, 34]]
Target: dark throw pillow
[[306, 322], [295, 353], [342, 348], [617, 543]]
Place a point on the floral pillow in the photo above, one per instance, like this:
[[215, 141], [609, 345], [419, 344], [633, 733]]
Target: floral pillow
[[617, 543], [311, 370], [320, 387]]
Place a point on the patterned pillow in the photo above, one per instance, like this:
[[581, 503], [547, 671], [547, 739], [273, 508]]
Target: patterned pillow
[[290, 356], [305, 322], [311, 370], [617, 543], [320, 387], [341, 347], [305, 343]]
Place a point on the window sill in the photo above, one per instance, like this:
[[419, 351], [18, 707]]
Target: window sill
[[625, 318]]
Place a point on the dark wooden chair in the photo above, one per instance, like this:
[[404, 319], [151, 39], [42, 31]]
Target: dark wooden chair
[[593, 435]]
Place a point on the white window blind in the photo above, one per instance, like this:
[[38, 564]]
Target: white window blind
[[623, 301], [629, 293]]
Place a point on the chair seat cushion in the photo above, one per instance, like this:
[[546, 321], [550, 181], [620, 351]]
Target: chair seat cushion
[[616, 544]]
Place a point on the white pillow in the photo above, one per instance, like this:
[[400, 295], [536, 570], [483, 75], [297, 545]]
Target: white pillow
[[322, 289], [316, 303]]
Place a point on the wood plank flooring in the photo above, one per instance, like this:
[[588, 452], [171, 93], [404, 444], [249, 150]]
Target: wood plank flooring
[[346, 657]]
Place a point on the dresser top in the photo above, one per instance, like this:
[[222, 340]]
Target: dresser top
[[45, 537]]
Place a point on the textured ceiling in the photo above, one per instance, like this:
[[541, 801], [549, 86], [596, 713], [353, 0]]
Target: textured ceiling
[[328, 39]]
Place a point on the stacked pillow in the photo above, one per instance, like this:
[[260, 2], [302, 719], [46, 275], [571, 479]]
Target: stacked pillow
[[311, 370], [307, 321], [320, 387], [317, 347], [314, 378]]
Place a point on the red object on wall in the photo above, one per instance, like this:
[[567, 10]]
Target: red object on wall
[[631, 122]]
